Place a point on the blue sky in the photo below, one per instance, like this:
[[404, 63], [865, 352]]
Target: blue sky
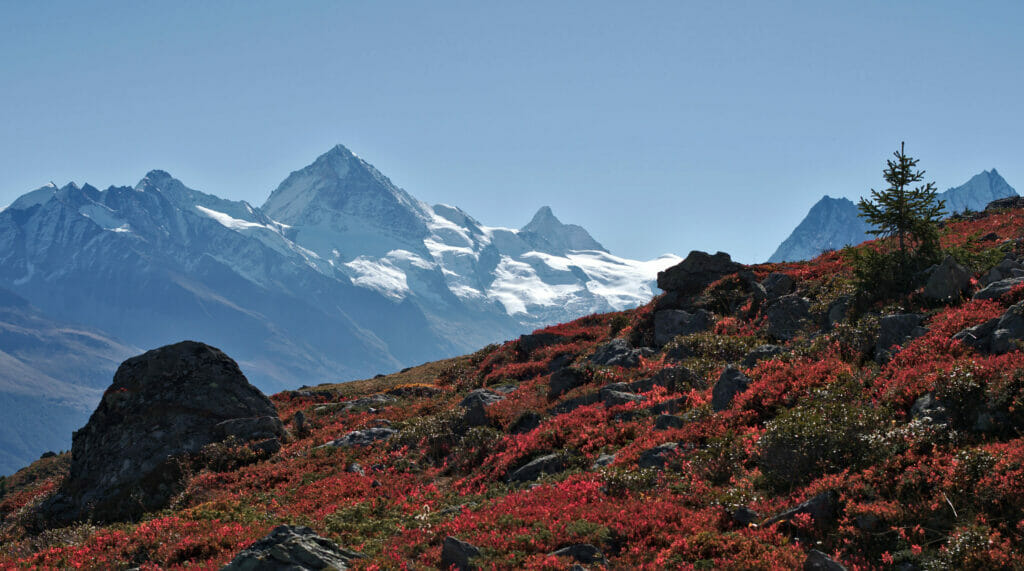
[[659, 126]]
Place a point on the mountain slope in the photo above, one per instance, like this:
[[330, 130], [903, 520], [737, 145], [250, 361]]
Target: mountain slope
[[833, 222], [51, 377], [762, 435]]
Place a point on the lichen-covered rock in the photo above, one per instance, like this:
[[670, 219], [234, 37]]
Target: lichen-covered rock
[[582, 553], [668, 323], [363, 437], [475, 407], [895, 331], [731, 383], [778, 284], [761, 353], [618, 353], [547, 464], [786, 316], [998, 288], [456, 553], [947, 282], [163, 405], [292, 548]]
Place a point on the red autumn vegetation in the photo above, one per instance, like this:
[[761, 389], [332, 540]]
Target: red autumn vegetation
[[821, 417]]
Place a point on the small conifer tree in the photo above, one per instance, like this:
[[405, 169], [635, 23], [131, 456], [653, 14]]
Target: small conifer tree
[[909, 214]]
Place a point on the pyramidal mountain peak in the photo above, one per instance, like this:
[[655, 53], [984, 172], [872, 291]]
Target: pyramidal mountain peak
[[546, 232], [340, 274]]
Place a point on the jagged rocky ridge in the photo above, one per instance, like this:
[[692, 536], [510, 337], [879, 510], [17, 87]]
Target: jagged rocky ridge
[[770, 427], [833, 223], [339, 275]]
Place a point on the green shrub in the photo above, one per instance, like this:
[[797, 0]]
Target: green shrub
[[827, 434]]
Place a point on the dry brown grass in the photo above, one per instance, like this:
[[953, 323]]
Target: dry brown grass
[[425, 374]]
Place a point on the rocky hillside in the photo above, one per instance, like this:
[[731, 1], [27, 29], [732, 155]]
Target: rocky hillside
[[833, 223], [747, 418]]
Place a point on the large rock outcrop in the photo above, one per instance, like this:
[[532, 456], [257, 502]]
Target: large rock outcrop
[[696, 272], [162, 407]]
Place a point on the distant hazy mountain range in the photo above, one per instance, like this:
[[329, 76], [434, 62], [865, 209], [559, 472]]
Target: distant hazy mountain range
[[339, 275], [833, 222]]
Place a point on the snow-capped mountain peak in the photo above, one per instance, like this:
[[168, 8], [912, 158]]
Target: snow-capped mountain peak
[[546, 233]]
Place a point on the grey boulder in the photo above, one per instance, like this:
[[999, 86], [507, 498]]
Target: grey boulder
[[292, 548], [669, 323], [949, 281], [731, 383]]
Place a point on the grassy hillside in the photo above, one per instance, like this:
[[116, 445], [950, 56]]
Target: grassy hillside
[[936, 487]]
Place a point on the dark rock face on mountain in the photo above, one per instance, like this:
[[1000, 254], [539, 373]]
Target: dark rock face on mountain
[[833, 222], [977, 192], [163, 405]]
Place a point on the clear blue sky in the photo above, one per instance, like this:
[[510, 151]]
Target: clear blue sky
[[659, 126]]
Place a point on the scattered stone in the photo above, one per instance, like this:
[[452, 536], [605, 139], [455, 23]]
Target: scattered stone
[[671, 406], [948, 282], [818, 561], [696, 272], [290, 548], [456, 553], [618, 394], [533, 341], [355, 468], [837, 311], [475, 405], [603, 460], [371, 402], [299, 424], [731, 383], [745, 516], [1008, 202], [999, 335], [761, 353], [1005, 269], [998, 288], [363, 437], [930, 410], [618, 353], [582, 553], [421, 391], [894, 331], [526, 422], [673, 379], [669, 323], [574, 403], [659, 456], [667, 421], [823, 509], [547, 464], [786, 316], [564, 380], [778, 284], [560, 362], [162, 407], [980, 336]]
